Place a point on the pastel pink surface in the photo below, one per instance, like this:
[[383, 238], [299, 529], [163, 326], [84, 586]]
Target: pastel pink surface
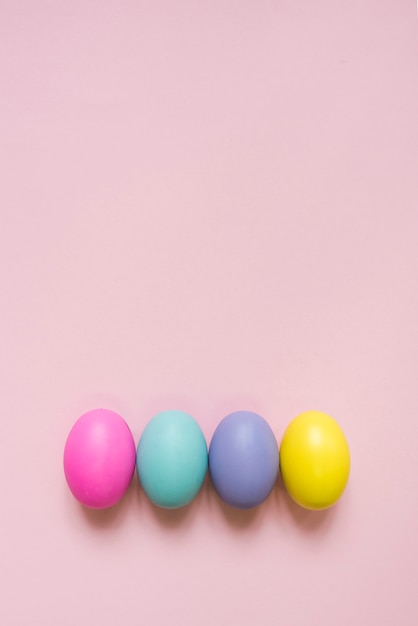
[[99, 458], [209, 205]]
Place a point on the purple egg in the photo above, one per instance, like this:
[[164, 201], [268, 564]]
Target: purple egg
[[243, 459]]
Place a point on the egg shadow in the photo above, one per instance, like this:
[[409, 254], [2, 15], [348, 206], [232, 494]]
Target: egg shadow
[[167, 518], [308, 521], [237, 519], [114, 516], [175, 518]]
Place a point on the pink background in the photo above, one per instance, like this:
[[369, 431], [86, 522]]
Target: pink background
[[209, 205]]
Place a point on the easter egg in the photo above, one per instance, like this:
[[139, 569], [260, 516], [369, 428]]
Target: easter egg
[[172, 459], [243, 459], [314, 460], [99, 458]]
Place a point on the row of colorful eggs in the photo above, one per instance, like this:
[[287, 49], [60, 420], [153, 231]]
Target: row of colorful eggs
[[172, 459]]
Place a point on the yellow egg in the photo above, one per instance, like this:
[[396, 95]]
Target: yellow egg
[[314, 460]]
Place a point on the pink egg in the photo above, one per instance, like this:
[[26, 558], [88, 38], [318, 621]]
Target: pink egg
[[99, 458]]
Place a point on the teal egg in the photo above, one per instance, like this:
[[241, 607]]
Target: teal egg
[[172, 459]]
